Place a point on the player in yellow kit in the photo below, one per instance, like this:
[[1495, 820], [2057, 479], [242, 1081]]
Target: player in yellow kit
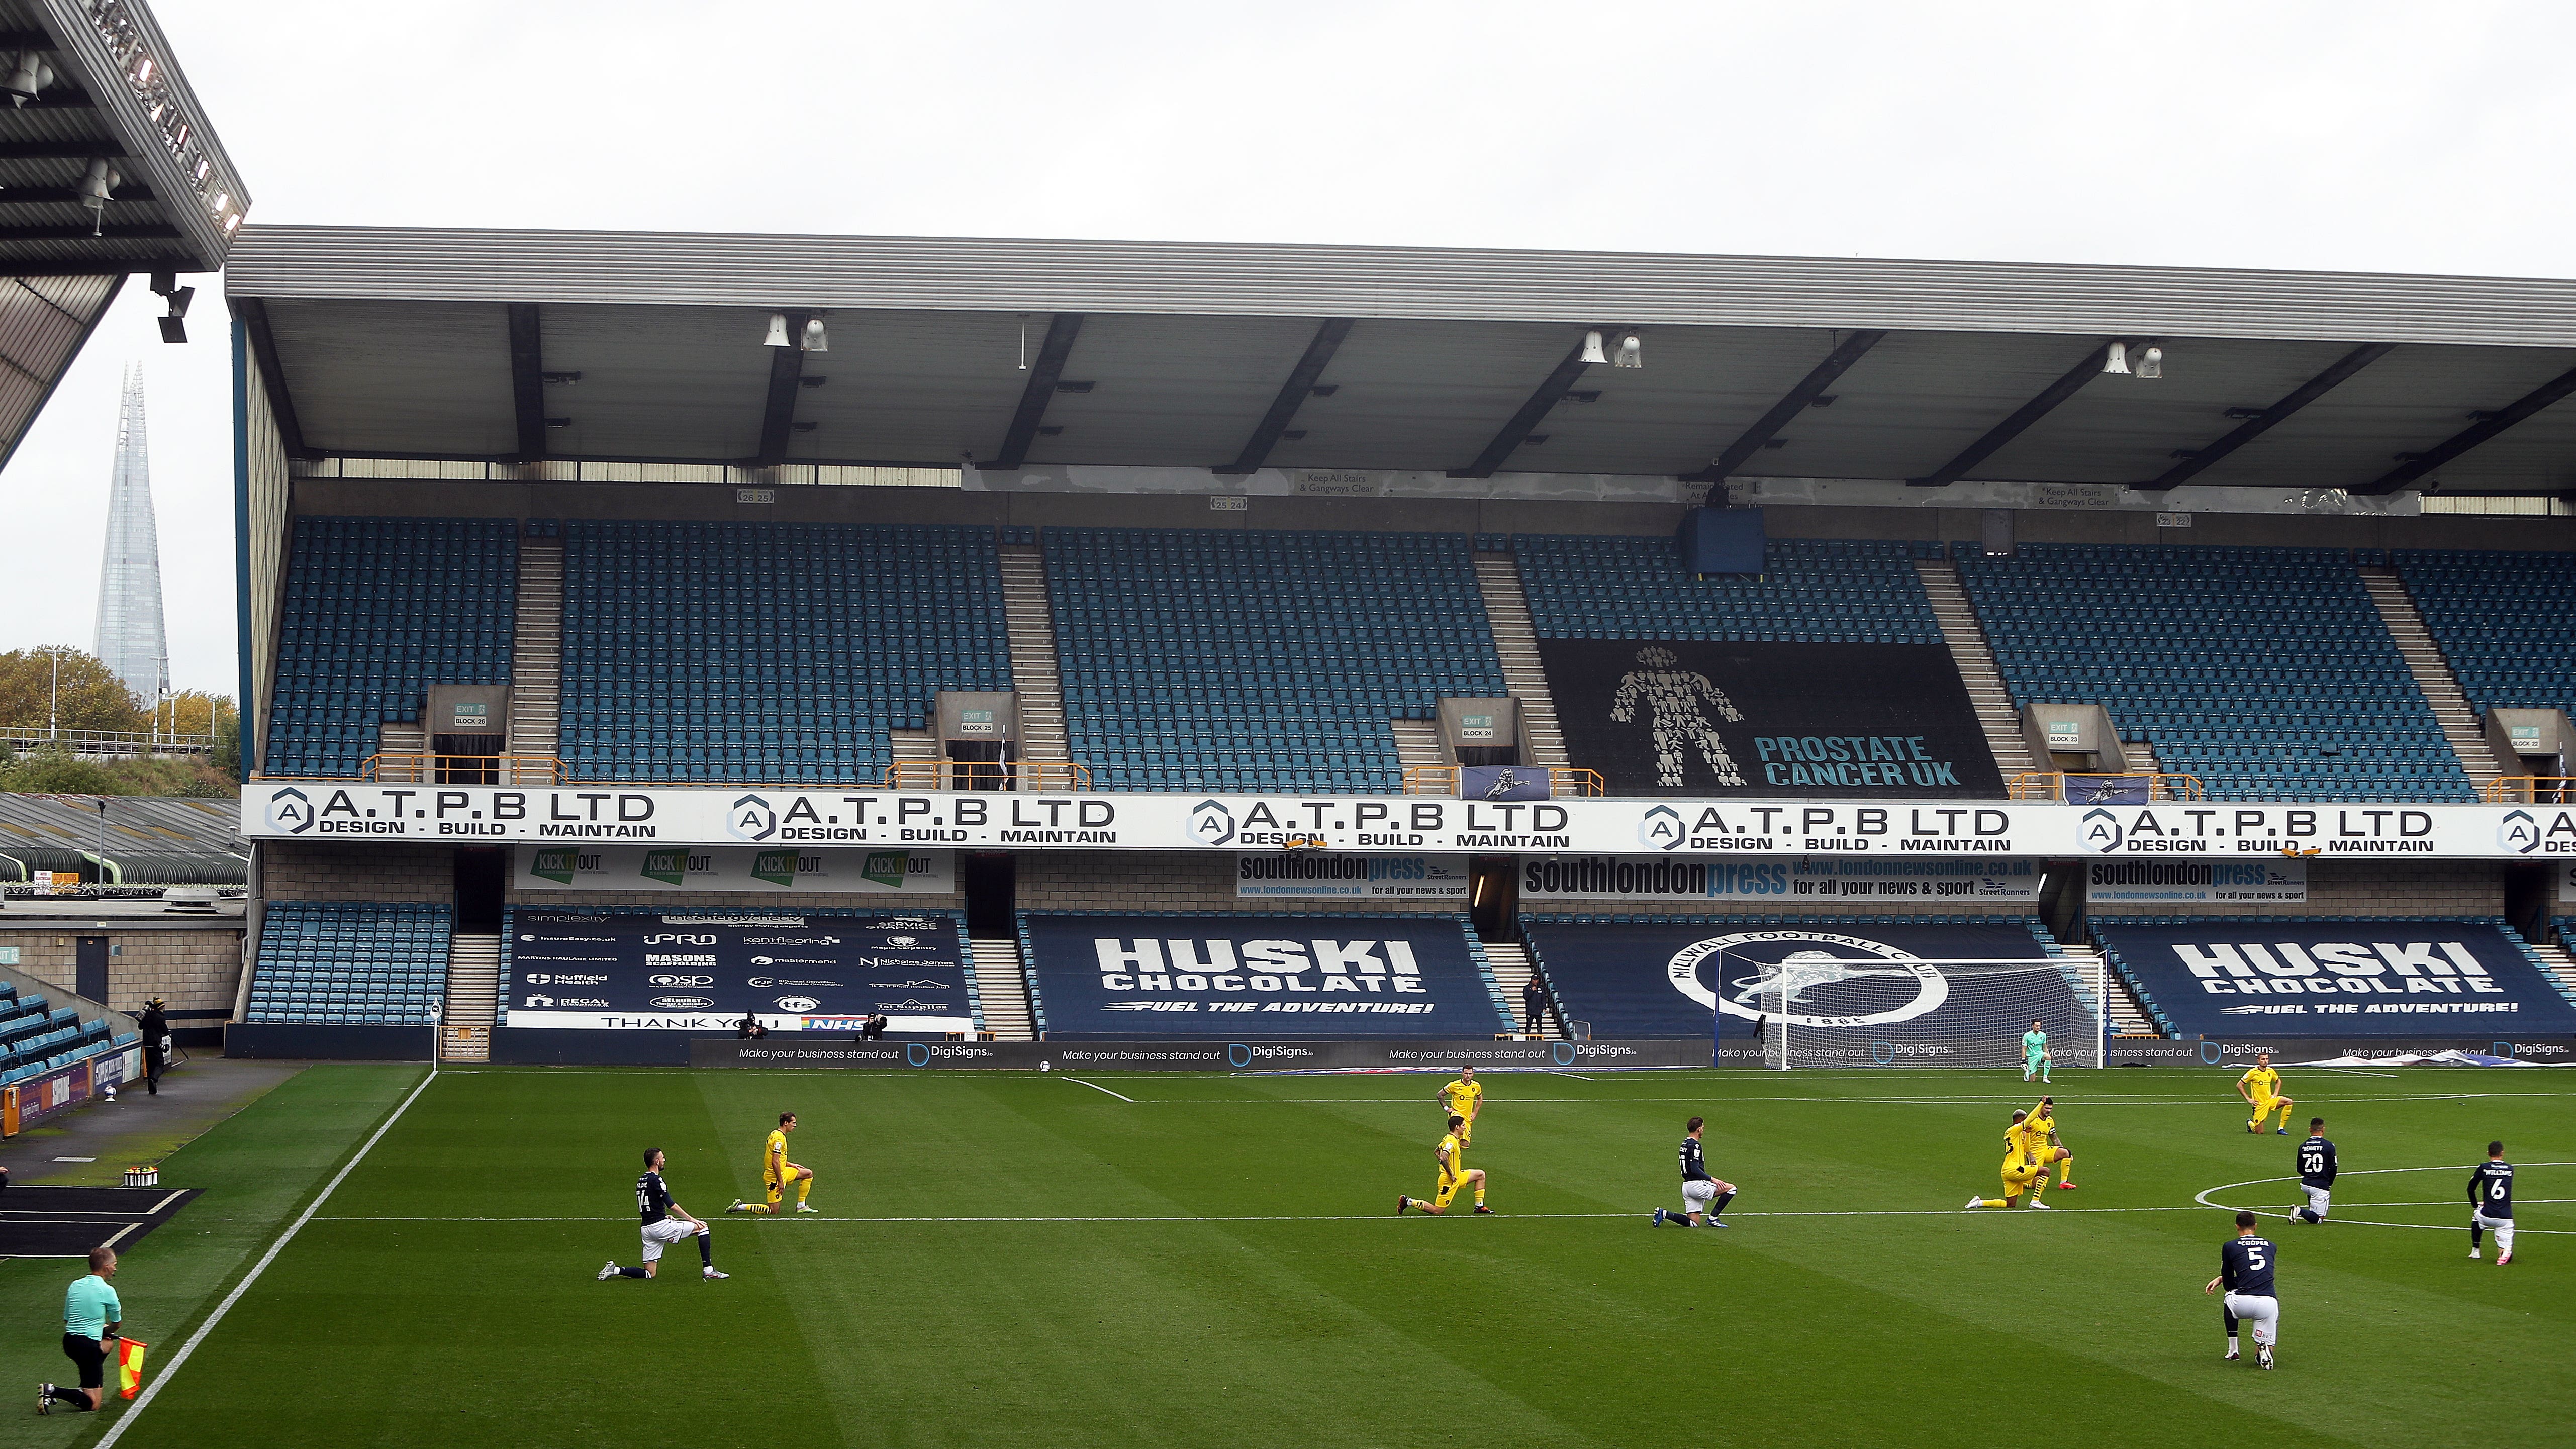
[[1449, 1164], [2262, 1087], [1464, 1097], [776, 1172], [2046, 1150], [2018, 1168]]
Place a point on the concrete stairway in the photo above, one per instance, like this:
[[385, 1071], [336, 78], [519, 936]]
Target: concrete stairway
[[1034, 674], [2559, 964], [1000, 989], [1511, 964], [536, 651], [1498, 577], [1417, 742], [2128, 1018], [1976, 661], [473, 998], [2432, 673]]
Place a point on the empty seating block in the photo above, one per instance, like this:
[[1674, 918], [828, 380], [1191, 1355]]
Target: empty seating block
[[1825, 591], [351, 963], [376, 610], [770, 652], [2506, 622], [2264, 672], [36, 1037], [1208, 660]]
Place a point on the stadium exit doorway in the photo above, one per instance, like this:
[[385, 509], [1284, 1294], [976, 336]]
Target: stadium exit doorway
[[989, 880], [482, 871], [1493, 897]]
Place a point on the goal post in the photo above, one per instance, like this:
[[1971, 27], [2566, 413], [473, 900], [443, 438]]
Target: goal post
[[1818, 1009]]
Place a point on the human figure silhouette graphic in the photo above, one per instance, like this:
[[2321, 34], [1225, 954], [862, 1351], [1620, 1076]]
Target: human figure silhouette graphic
[[1674, 697]]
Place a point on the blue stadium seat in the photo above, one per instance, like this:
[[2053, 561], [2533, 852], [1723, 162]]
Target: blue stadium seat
[[1253, 660], [2506, 622], [1829, 591], [351, 963], [2266, 673]]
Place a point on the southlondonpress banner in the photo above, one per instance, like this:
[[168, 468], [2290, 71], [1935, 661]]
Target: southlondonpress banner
[[2338, 978], [1680, 717], [1914, 880], [732, 868], [1316, 875], [929, 820], [2278, 882], [1295, 976], [817, 971]]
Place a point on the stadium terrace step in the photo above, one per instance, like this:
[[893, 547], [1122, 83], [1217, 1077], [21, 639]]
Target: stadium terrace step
[[2128, 1018], [1417, 742], [473, 997], [536, 650], [2559, 963], [1507, 609], [1034, 675], [1967, 641], [1001, 990], [2432, 672], [1511, 967]]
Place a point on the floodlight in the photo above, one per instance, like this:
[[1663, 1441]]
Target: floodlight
[[814, 341], [173, 329], [777, 330], [2151, 362], [1632, 351], [28, 76], [1592, 348], [2115, 359]]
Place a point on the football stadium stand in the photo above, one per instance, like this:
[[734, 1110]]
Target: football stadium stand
[[2266, 673], [768, 652], [376, 611], [351, 963], [2136, 947], [35, 1039], [2506, 622], [1203, 660], [1842, 591]]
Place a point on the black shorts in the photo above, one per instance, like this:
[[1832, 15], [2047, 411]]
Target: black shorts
[[90, 1356]]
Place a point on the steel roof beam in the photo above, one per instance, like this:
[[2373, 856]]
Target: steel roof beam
[[24, 195], [1292, 395], [61, 150], [133, 231], [1044, 374], [2020, 422], [528, 379], [2484, 429], [1531, 414], [272, 375], [1797, 400], [2263, 422], [778, 409]]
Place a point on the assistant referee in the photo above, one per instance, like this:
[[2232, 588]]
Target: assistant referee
[[91, 1318]]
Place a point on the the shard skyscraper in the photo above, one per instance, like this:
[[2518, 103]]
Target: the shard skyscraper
[[131, 642]]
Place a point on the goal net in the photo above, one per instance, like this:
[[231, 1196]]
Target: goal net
[[1816, 1009]]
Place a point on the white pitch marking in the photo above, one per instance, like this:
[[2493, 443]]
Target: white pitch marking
[[1578, 1076], [1285, 1217], [169, 1370], [1095, 1086], [2202, 1197]]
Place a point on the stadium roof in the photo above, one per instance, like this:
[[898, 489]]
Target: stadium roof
[[514, 346], [154, 838]]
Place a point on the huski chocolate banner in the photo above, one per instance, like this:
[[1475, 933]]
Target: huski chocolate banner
[[2337, 978], [1833, 721], [817, 971], [732, 868], [1243, 976]]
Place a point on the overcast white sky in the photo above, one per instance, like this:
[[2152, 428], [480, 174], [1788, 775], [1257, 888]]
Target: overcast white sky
[[2306, 134]]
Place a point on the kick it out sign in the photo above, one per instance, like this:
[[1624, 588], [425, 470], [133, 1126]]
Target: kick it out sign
[[733, 868]]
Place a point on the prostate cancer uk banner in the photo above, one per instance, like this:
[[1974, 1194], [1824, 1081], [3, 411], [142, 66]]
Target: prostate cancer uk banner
[[1228, 976], [1676, 717], [815, 971], [2337, 978]]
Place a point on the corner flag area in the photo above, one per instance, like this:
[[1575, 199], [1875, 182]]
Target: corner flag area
[[1175, 1259]]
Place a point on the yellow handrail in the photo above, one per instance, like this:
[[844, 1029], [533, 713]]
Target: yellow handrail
[[1026, 776], [2530, 790], [426, 769], [2051, 784], [1562, 780]]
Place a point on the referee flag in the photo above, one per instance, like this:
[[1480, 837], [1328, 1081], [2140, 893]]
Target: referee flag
[[129, 1366]]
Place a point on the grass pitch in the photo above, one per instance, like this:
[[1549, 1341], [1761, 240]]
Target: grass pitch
[[1016, 1259]]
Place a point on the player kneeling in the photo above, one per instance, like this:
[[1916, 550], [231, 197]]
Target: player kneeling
[[665, 1222], [1703, 1196], [1449, 1160]]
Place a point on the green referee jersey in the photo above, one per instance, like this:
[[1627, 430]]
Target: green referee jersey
[[90, 1306]]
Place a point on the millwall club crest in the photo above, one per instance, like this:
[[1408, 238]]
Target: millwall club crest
[[1808, 978], [752, 818], [1211, 823], [1661, 829], [290, 810]]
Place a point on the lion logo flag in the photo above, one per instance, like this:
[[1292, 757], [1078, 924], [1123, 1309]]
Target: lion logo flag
[[129, 1366]]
